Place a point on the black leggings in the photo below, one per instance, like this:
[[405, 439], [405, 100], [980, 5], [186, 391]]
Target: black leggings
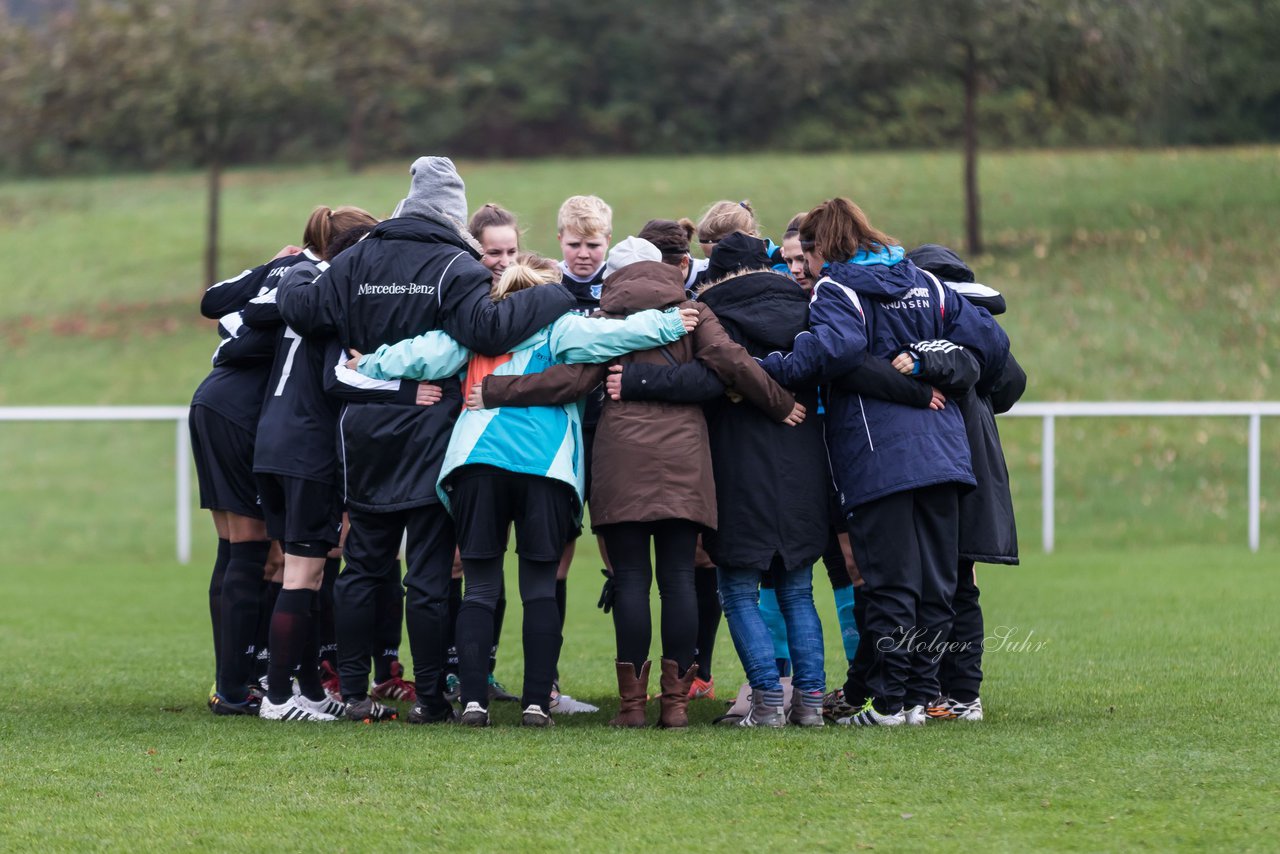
[[673, 546], [475, 635]]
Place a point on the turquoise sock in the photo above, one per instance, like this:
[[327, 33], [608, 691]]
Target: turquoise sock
[[772, 616], [848, 625]]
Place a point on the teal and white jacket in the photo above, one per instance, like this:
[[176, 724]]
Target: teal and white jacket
[[539, 440]]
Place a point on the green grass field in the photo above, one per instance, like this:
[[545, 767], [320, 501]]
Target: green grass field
[[1145, 720], [1140, 715]]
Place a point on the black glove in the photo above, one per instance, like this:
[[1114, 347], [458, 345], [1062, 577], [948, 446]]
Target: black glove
[[606, 592]]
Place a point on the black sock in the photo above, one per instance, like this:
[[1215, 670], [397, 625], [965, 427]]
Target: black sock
[[326, 630], [451, 639], [308, 673], [475, 627], [266, 606], [386, 649], [562, 599], [704, 584], [215, 598], [499, 612], [291, 633], [542, 639], [241, 598]]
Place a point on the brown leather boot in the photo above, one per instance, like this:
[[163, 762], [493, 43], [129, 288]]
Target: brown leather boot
[[633, 688], [675, 694]]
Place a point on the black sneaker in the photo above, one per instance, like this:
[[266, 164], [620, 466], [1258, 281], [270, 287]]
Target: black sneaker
[[220, 705], [368, 711], [475, 715], [534, 716], [421, 714]]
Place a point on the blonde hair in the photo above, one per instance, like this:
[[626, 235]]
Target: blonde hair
[[585, 215], [325, 223], [724, 218], [527, 271]]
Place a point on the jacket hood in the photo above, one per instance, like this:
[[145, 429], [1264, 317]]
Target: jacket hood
[[737, 252], [885, 282], [942, 262], [424, 231], [767, 307], [947, 266], [642, 285]]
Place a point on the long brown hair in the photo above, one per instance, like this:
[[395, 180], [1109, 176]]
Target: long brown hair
[[325, 223], [837, 230]]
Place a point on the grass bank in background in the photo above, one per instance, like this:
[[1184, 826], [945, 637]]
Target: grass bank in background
[[1129, 275]]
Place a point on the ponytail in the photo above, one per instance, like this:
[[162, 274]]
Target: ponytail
[[671, 237], [325, 223]]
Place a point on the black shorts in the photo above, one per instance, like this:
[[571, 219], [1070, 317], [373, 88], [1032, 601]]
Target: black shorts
[[486, 500], [300, 511], [223, 454]]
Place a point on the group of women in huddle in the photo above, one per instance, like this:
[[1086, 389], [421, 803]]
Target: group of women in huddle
[[738, 417]]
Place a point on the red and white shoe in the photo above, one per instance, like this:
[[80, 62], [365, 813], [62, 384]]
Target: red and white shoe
[[395, 689], [329, 681]]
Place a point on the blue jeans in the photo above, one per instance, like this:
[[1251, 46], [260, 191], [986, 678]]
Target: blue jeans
[[739, 596]]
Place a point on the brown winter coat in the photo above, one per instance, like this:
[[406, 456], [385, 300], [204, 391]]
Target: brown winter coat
[[652, 459]]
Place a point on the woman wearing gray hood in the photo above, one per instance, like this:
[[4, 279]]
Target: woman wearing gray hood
[[416, 272]]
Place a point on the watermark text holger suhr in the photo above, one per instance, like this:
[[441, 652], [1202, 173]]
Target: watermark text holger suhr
[[1002, 639]]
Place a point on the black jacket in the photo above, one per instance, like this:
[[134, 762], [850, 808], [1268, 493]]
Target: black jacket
[[297, 431], [235, 387], [988, 529], [772, 480], [409, 276]]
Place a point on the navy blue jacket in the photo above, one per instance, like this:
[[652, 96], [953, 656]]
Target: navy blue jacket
[[879, 447]]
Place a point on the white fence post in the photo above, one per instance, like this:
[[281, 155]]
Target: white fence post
[[1255, 480], [1049, 412], [182, 468], [1046, 483]]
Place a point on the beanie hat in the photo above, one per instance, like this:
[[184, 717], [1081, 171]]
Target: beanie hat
[[737, 252], [942, 262], [628, 252], [436, 193]]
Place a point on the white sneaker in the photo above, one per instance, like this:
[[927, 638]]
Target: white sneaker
[[915, 716], [868, 716], [947, 709], [327, 706], [563, 704], [290, 710]]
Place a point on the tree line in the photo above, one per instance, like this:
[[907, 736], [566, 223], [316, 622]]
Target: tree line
[[99, 85], [107, 84]]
